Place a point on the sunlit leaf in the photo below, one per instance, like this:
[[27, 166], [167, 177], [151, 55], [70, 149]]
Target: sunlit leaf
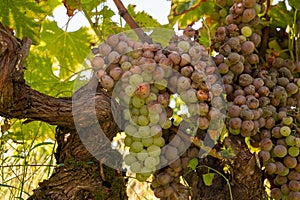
[[24, 16], [187, 13], [162, 36], [91, 4], [39, 74], [208, 178], [69, 48], [143, 19], [41, 144], [193, 163], [280, 16], [33, 130]]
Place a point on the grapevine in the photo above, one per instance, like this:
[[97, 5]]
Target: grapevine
[[260, 95]]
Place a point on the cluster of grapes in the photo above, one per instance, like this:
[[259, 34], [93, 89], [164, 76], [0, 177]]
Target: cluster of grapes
[[263, 99], [144, 79], [221, 8]]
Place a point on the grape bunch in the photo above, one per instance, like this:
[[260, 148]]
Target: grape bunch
[[263, 98], [144, 79]]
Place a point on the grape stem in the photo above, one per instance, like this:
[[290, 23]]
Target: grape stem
[[130, 21], [266, 32]]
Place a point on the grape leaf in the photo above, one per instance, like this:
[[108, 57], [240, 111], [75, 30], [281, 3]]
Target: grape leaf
[[187, 13], [28, 131], [295, 4], [143, 19], [280, 16], [39, 74], [208, 178], [89, 5], [193, 163], [24, 16], [69, 48], [162, 36]]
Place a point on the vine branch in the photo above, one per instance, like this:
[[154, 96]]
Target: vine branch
[[130, 21]]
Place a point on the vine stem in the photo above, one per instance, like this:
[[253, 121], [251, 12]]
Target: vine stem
[[216, 171], [130, 21]]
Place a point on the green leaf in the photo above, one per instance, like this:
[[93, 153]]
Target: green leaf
[[22, 132], [162, 36], [208, 178], [143, 19], [69, 48], [187, 13], [280, 16], [24, 16], [41, 144], [295, 4], [39, 74], [91, 4], [193, 163]]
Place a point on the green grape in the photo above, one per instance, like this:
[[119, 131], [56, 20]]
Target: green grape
[[285, 131], [138, 102], [246, 31], [144, 111], [290, 140], [136, 167], [142, 155], [285, 172], [223, 13], [154, 151], [144, 131], [135, 79], [129, 159], [293, 151], [143, 120], [167, 124], [297, 142], [135, 111], [154, 118], [134, 119], [137, 139], [147, 76], [159, 141], [161, 84], [136, 147], [128, 140], [148, 141], [152, 97], [141, 177], [150, 162], [130, 129], [129, 90], [287, 120], [154, 90], [126, 65]]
